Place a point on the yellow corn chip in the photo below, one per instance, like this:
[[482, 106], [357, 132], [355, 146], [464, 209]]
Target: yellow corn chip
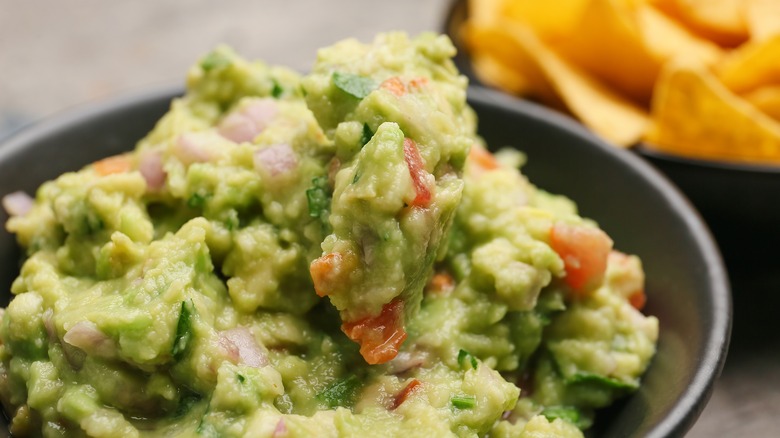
[[548, 21], [751, 66], [668, 39], [695, 115], [495, 73], [721, 21], [607, 43], [601, 109], [763, 19], [767, 99]]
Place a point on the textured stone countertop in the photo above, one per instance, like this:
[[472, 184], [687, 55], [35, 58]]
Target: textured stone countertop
[[56, 54]]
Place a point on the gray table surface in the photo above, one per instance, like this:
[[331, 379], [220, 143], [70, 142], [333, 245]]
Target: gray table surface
[[57, 54]]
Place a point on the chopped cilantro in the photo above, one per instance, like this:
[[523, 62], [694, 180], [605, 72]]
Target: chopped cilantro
[[463, 401], [567, 413], [354, 85], [183, 331], [367, 134], [583, 377], [214, 60], [340, 393], [276, 90], [197, 200], [464, 356], [317, 196]]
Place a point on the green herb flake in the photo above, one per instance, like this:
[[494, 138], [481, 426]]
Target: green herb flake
[[241, 378], [183, 331], [463, 401], [340, 393], [317, 196], [595, 379], [465, 357], [197, 200], [567, 413], [276, 90], [213, 61], [367, 134], [355, 85]]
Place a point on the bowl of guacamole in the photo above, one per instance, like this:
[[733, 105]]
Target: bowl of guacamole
[[370, 249]]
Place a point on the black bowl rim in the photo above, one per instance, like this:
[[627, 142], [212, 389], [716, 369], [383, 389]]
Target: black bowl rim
[[688, 407], [457, 7]]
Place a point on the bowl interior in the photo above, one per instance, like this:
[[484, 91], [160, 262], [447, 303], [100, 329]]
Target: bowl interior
[[686, 283]]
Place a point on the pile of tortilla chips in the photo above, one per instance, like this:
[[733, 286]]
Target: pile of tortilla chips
[[699, 78]]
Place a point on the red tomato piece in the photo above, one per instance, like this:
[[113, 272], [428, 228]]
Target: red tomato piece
[[404, 394], [419, 175], [638, 299], [380, 337], [584, 251]]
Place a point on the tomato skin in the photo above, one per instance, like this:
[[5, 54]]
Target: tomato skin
[[380, 337], [404, 394], [483, 158], [330, 272], [419, 175], [584, 251], [111, 165], [638, 299]]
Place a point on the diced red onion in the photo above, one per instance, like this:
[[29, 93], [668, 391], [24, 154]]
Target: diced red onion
[[48, 324], [407, 360], [246, 123], [280, 430], [275, 159], [17, 203], [151, 167], [189, 148], [85, 336], [242, 347]]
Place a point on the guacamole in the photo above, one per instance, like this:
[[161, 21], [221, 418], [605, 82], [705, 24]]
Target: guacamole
[[336, 254]]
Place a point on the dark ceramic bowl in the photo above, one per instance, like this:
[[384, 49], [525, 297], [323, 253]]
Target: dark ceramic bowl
[[738, 201], [687, 286]]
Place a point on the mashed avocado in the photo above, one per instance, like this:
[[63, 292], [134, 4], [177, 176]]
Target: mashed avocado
[[330, 255]]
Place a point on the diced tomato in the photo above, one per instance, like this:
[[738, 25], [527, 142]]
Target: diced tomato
[[441, 283], [418, 83], [483, 158], [115, 164], [638, 299], [394, 85], [404, 394], [331, 271], [419, 175], [380, 337], [584, 251]]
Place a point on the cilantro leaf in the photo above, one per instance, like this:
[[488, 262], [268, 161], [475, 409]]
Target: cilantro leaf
[[464, 356], [183, 331], [317, 197], [340, 393], [354, 85]]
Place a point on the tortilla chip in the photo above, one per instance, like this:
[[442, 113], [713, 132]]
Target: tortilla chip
[[598, 107], [496, 43], [668, 39], [486, 12], [751, 66], [763, 19], [492, 71], [548, 22], [607, 43], [721, 21], [766, 99], [695, 115]]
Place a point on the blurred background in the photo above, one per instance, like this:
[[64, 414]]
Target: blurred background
[[54, 55]]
